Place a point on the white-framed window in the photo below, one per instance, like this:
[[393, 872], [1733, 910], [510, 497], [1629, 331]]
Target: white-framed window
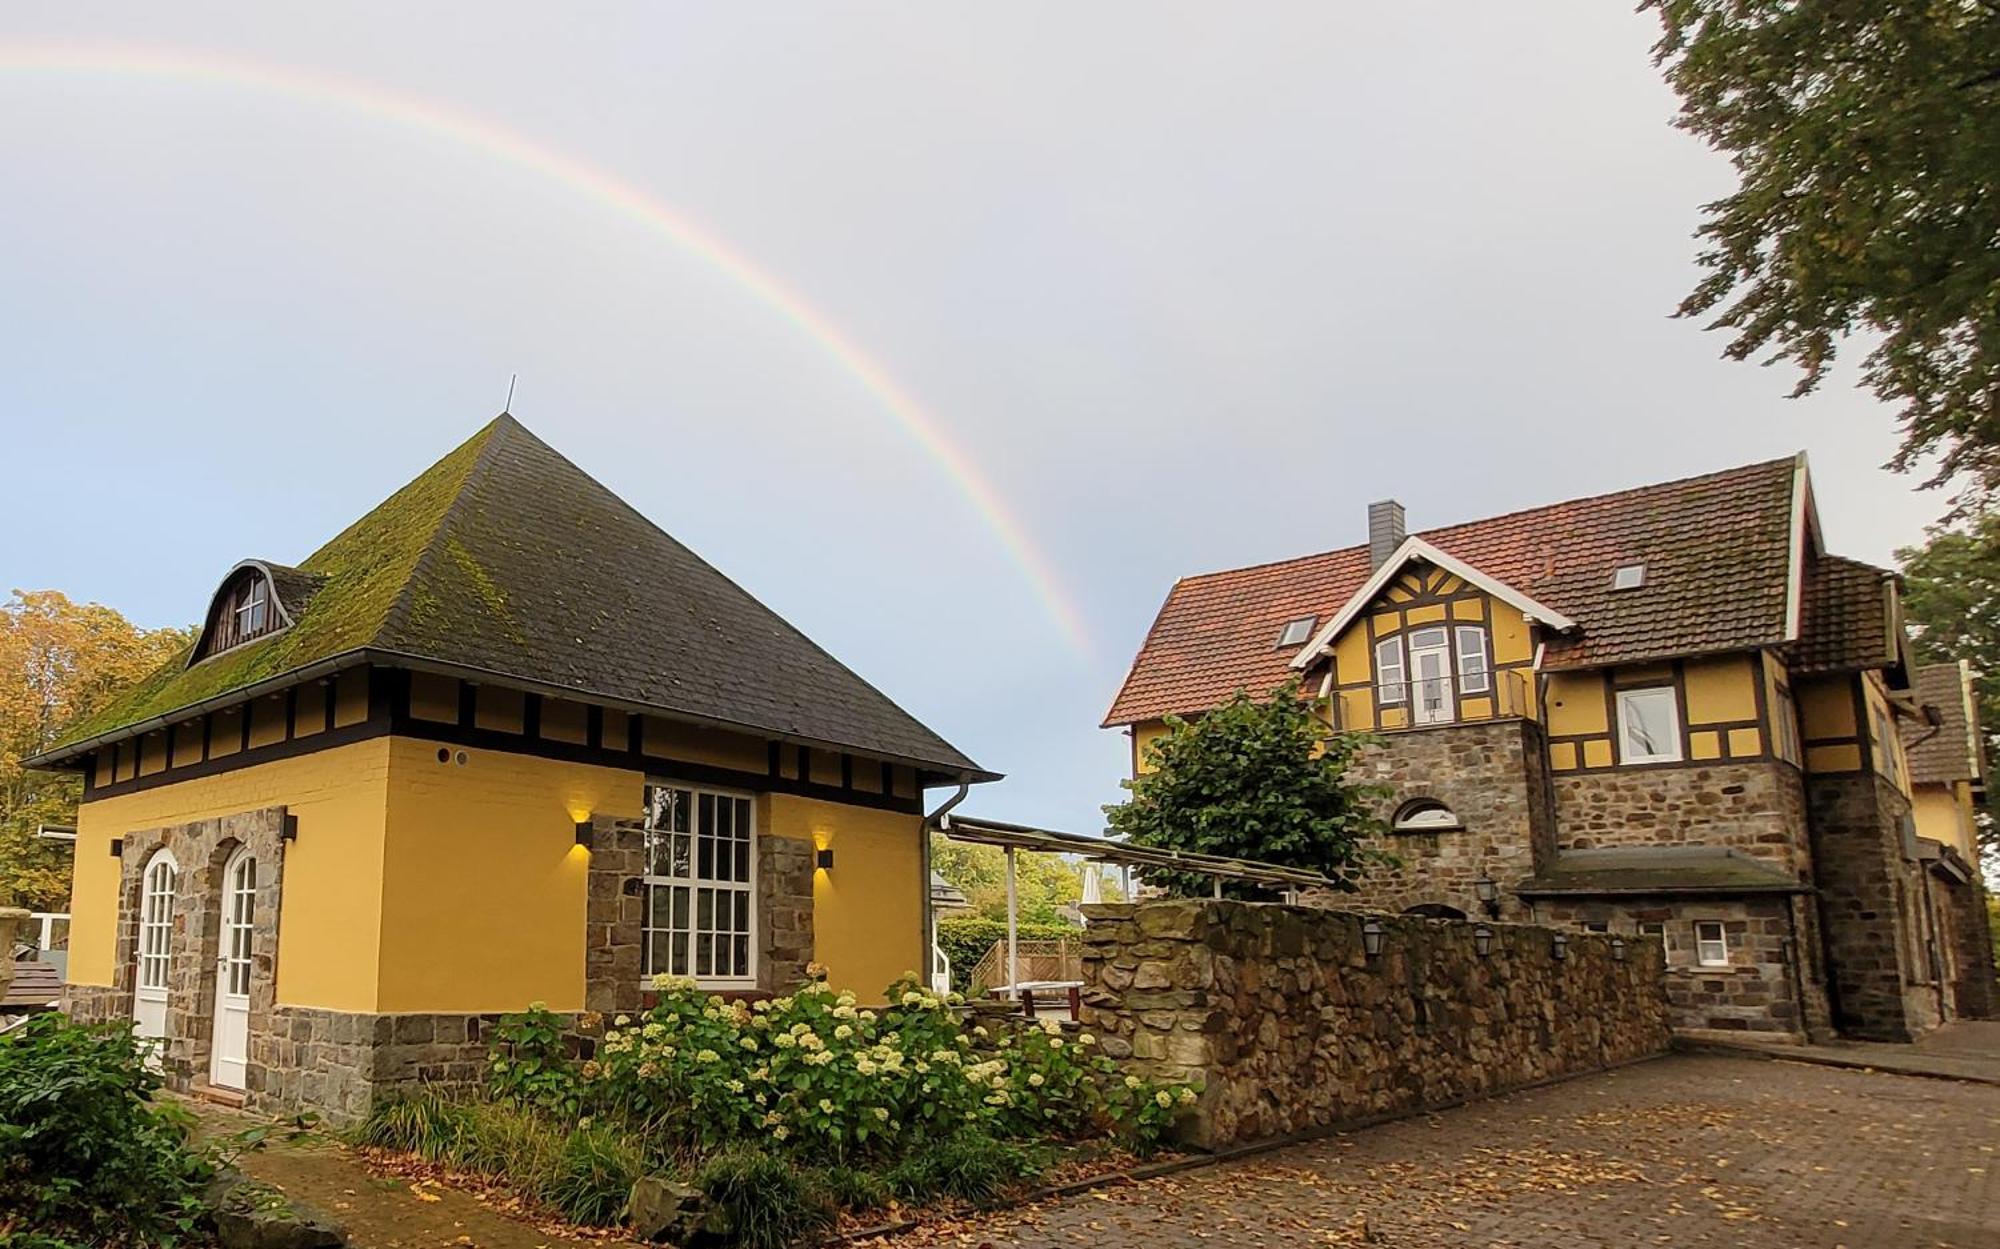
[[1297, 632], [156, 921], [1649, 725], [239, 922], [1652, 928], [1597, 925], [1474, 673], [1711, 943], [1389, 671], [253, 608], [701, 885], [1628, 576]]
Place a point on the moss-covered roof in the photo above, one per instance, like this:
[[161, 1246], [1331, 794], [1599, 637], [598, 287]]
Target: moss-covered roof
[[506, 559]]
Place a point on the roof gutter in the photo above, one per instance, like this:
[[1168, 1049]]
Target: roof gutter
[[418, 663]]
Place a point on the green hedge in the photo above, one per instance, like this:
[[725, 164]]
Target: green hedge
[[966, 938]]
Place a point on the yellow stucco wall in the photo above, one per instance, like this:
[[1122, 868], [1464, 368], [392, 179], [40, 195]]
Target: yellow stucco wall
[[1143, 736], [868, 909], [328, 936], [483, 883], [1944, 813]]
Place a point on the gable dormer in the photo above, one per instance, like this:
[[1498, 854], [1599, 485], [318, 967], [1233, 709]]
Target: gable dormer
[[255, 600]]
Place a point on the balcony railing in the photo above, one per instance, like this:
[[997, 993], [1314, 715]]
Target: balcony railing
[[1455, 698]]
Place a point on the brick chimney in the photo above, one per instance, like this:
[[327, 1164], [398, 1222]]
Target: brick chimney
[[1385, 531]]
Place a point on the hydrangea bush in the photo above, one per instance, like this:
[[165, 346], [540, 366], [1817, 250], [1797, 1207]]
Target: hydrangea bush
[[817, 1075]]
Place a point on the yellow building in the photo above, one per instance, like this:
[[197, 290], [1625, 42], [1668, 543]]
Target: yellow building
[[501, 741], [1666, 711]]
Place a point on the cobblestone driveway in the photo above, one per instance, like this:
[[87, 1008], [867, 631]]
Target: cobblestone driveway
[[1688, 1150]]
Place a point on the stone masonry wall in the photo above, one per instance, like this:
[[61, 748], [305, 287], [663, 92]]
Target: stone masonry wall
[[1288, 1026], [1755, 808], [1868, 898], [1490, 774], [1760, 990], [1968, 924], [339, 1062]]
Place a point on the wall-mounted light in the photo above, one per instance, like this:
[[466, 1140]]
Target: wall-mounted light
[[1482, 940], [586, 833], [117, 847], [289, 829], [1371, 938], [1487, 890], [1559, 946], [823, 858], [1618, 948]]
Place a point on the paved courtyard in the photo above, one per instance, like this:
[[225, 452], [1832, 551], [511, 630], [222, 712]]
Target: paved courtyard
[[1690, 1150]]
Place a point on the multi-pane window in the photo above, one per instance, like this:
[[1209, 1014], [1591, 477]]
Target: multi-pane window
[[1711, 944], [1649, 725], [700, 881], [1786, 712], [156, 921], [1474, 673], [253, 605], [239, 915], [1389, 672]]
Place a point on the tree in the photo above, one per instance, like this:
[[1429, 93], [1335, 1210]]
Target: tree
[[1951, 595], [1866, 138], [58, 659], [1253, 779]]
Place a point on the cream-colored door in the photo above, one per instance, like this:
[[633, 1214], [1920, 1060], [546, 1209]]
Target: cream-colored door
[[1430, 677], [230, 1053], [155, 953]]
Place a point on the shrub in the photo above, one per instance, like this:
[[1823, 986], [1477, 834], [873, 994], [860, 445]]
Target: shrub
[[85, 1152], [766, 1202], [529, 1061], [965, 939], [969, 1166], [592, 1174]]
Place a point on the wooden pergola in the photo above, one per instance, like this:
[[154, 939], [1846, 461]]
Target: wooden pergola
[[1013, 837]]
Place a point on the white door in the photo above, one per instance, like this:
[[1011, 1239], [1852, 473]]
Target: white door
[[1430, 676], [156, 940], [232, 972]]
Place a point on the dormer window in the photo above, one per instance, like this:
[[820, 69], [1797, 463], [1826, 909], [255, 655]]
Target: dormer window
[[1628, 576], [255, 600], [1297, 632]]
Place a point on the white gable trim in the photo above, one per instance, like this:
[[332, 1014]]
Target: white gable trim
[[1805, 526], [1414, 549]]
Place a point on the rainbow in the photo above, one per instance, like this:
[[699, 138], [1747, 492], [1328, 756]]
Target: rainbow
[[518, 150]]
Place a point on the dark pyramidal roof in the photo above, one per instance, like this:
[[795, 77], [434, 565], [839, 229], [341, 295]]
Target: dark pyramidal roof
[[504, 559]]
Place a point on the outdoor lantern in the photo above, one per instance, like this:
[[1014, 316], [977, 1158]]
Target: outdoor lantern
[[1371, 938], [1618, 948], [1559, 946], [586, 832], [1482, 940], [824, 858], [1487, 890], [289, 830]]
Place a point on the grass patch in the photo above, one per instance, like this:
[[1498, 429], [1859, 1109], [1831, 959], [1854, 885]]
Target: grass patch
[[766, 1202]]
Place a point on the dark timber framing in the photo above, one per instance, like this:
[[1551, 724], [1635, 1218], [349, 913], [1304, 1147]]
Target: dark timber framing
[[389, 714]]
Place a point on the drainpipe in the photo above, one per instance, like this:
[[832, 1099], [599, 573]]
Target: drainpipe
[[938, 820]]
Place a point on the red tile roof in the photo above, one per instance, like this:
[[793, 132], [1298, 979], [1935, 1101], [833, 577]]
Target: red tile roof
[[1953, 750], [1844, 625], [1717, 550]]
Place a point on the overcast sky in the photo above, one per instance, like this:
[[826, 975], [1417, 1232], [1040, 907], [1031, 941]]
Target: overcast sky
[[1185, 286]]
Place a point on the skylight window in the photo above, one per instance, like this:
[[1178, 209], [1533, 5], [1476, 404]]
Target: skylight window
[[1628, 577], [1297, 632]]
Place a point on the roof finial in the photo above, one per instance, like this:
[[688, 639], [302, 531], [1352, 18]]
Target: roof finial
[[508, 410]]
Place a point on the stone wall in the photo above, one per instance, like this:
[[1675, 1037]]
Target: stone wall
[[1490, 773], [1288, 1026], [1762, 990], [1870, 903], [1755, 808], [339, 1062], [1968, 923]]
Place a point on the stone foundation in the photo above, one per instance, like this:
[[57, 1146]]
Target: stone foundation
[[340, 1062], [1287, 1025], [1968, 924]]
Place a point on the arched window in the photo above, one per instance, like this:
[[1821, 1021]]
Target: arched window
[[255, 600], [1424, 815], [156, 922]]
